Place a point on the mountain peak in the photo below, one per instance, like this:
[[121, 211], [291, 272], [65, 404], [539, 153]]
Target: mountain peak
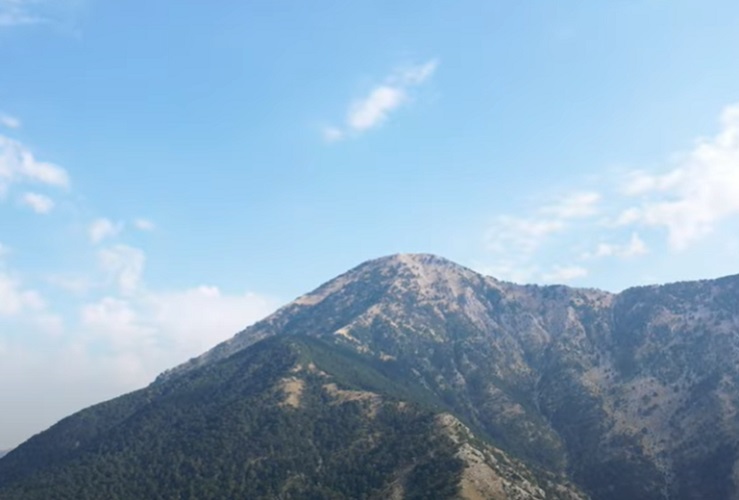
[[417, 259], [422, 276]]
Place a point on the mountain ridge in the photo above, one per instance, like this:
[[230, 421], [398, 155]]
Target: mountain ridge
[[585, 392]]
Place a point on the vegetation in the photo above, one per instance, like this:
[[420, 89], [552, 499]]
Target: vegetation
[[221, 432], [630, 396]]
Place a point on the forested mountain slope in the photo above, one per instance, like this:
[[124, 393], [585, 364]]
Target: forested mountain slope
[[413, 377]]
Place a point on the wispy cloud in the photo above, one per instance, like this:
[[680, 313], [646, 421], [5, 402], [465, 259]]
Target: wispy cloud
[[102, 228], [124, 266], [39, 203], [19, 165], [516, 241], [634, 248], [22, 12], [18, 13], [564, 274], [578, 205], [144, 225], [375, 108], [630, 215], [524, 233], [8, 121], [527, 233]]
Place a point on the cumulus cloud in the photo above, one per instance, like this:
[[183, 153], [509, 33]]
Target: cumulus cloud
[[39, 203], [103, 228], [697, 193], [375, 108]]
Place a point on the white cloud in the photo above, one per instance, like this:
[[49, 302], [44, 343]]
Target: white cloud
[[520, 234], [16, 13], [39, 203], [700, 191], [332, 134], [14, 299], [116, 337], [415, 75], [115, 321], [18, 165], [70, 283], [123, 265], [513, 271], [48, 324], [564, 274], [102, 228], [375, 108], [634, 248], [575, 206], [691, 204], [524, 235], [165, 328], [144, 225], [116, 343], [8, 121], [195, 319], [524, 246]]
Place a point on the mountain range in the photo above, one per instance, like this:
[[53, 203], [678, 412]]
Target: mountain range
[[410, 376]]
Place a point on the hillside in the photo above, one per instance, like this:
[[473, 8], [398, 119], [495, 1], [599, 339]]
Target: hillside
[[413, 377]]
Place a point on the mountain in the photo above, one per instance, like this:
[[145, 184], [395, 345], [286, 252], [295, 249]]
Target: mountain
[[412, 377], [3, 453]]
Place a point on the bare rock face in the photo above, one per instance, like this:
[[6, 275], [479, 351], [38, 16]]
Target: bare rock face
[[545, 391]]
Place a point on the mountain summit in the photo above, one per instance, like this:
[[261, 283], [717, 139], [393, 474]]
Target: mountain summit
[[410, 376]]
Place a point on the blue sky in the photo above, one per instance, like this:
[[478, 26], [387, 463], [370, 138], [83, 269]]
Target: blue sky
[[173, 171]]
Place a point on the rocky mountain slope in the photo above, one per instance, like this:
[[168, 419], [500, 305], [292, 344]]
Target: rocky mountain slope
[[512, 391]]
